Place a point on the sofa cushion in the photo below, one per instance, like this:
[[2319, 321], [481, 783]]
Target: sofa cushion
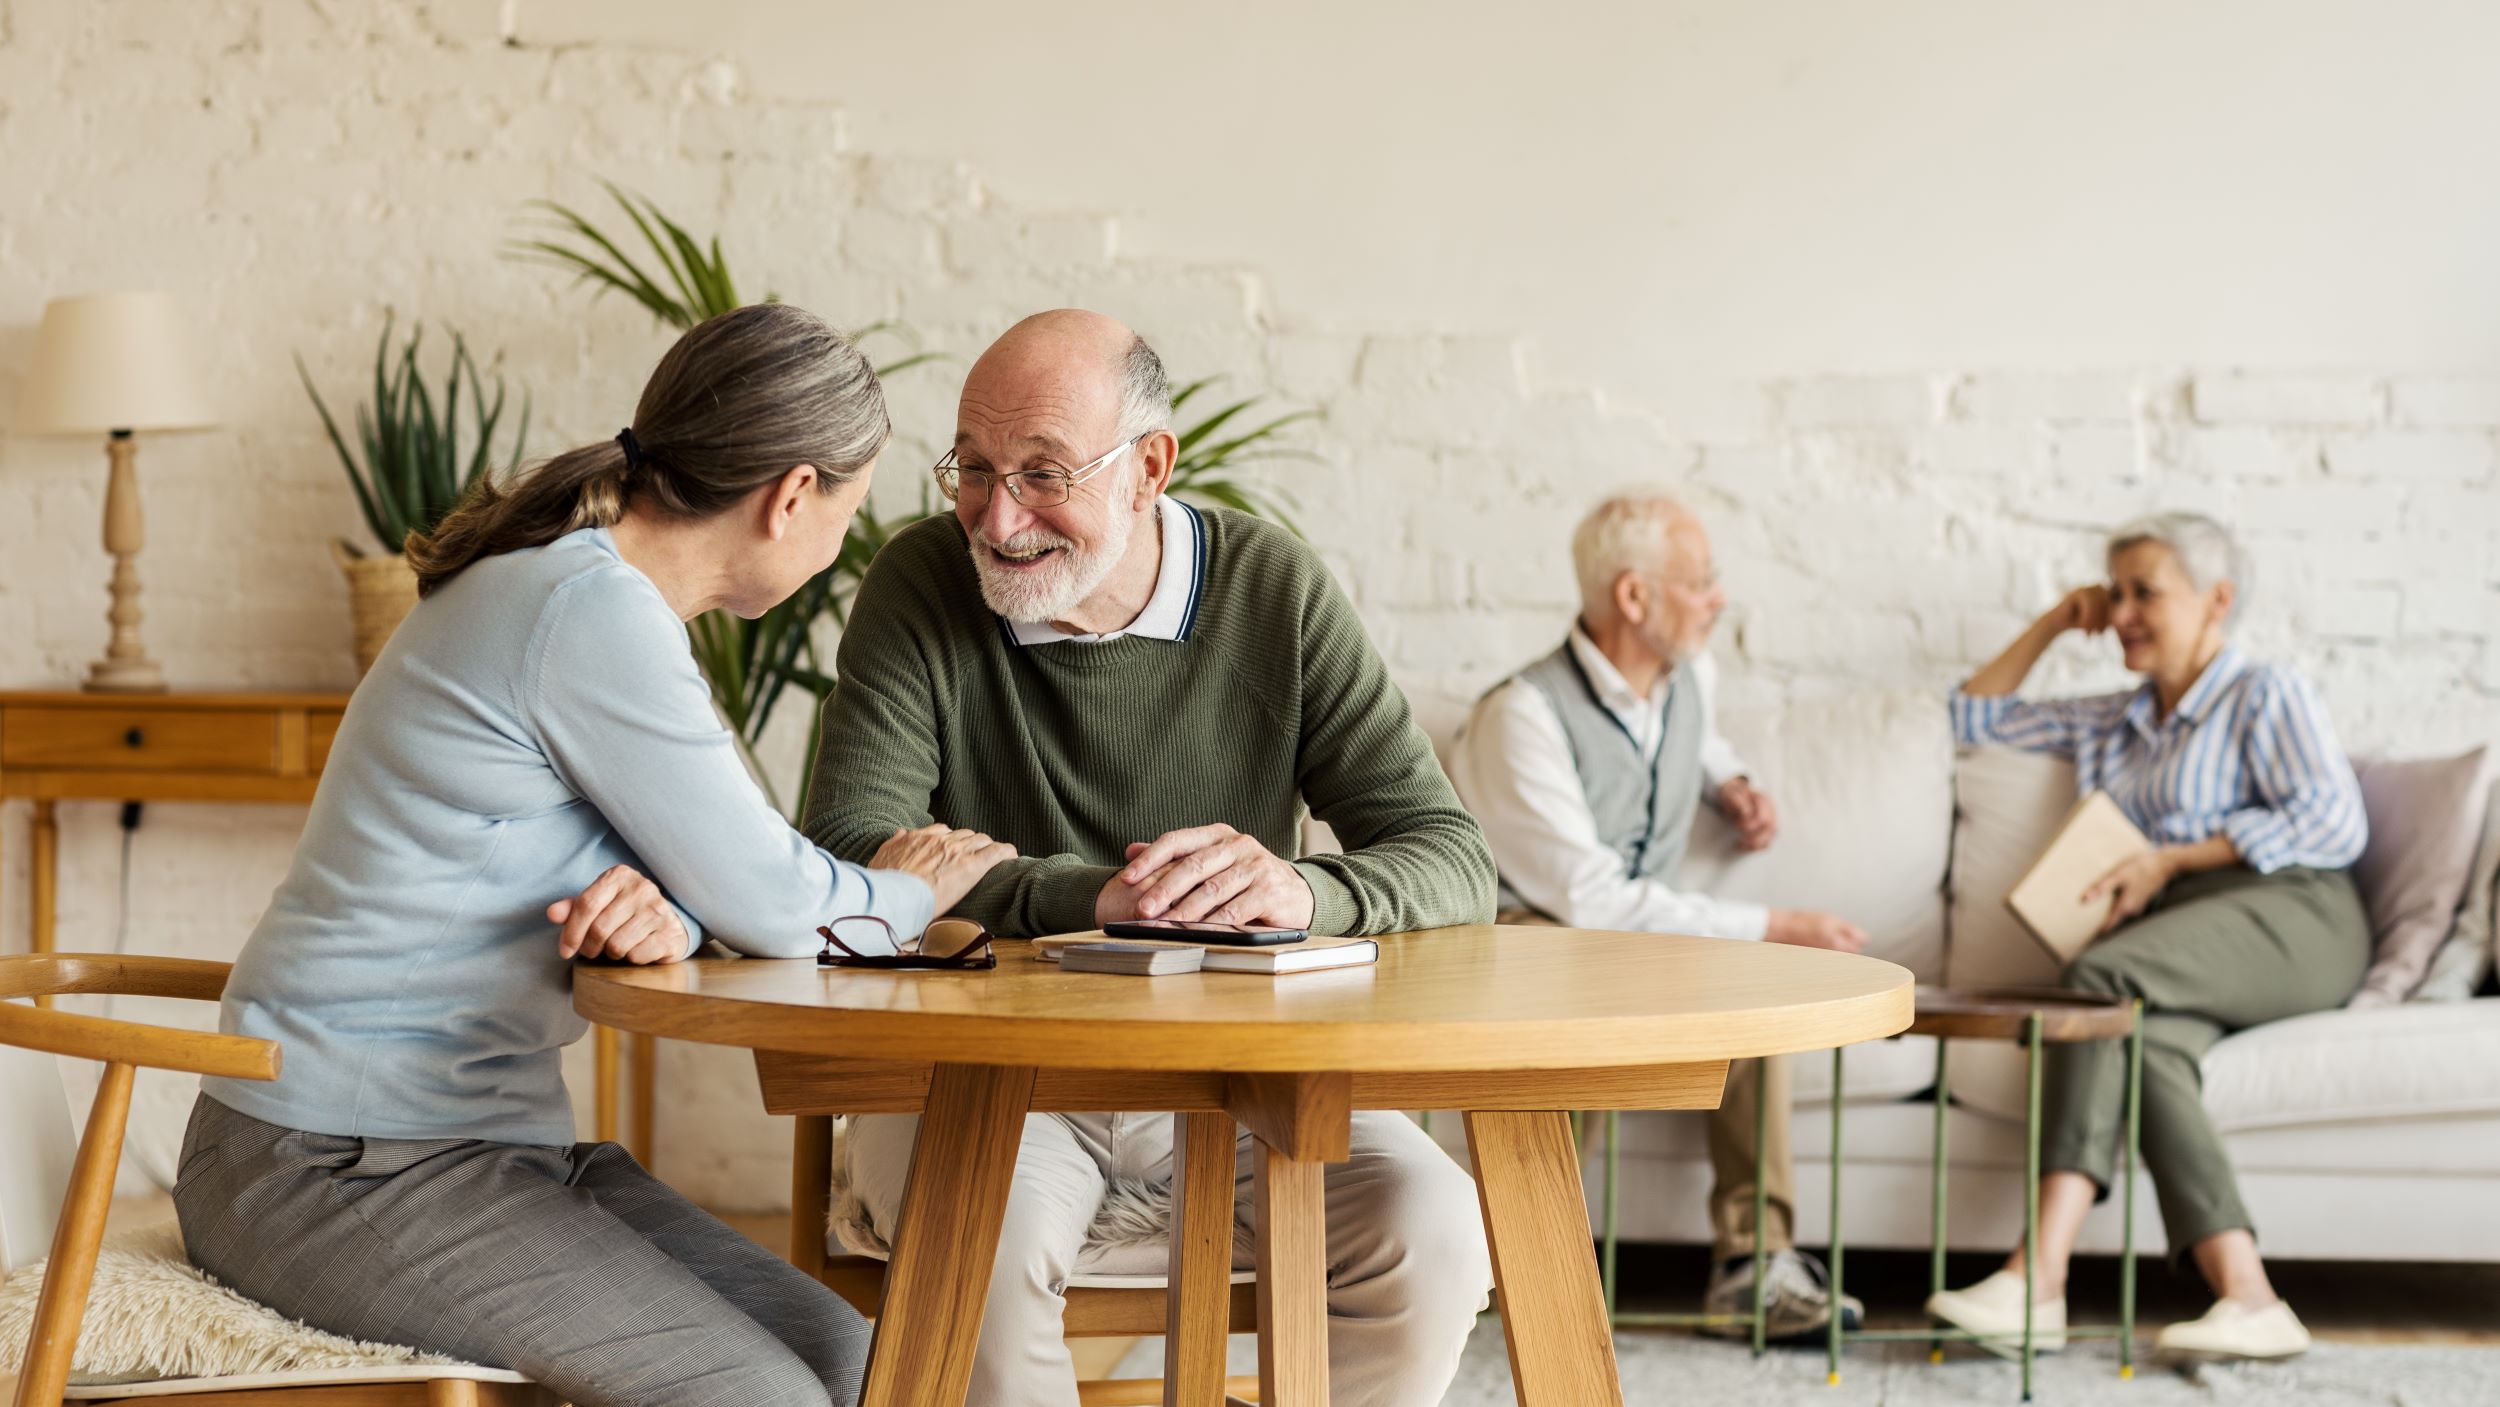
[[2417, 1060], [1864, 785], [2426, 815], [2007, 805], [2461, 964], [2385, 1063]]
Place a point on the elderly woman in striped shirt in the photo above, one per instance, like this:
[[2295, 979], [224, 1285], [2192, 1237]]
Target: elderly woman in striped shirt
[[2241, 913]]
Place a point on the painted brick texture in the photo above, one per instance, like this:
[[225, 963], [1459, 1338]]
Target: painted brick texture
[[297, 171]]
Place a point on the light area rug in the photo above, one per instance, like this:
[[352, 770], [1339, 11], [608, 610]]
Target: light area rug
[[1663, 1369]]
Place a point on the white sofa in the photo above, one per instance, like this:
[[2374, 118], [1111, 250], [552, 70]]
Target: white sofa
[[2358, 1134]]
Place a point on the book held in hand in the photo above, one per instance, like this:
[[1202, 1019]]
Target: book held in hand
[[1135, 959], [2049, 900]]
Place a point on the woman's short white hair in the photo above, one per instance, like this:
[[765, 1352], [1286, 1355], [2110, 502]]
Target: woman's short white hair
[[2206, 551], [1625, 533]]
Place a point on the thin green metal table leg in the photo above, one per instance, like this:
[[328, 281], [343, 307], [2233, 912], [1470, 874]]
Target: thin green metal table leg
[[1936, 1212], [1761, 1202], [2126, 1253], [1832, 1374], [1614, 1128], [2031, 1198]]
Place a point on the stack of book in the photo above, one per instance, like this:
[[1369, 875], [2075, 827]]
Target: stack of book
[[1308, 955]]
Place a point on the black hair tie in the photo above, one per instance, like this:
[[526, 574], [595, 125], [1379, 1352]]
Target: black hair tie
[[633, 448]]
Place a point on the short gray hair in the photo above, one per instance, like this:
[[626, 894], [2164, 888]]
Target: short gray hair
[[2206, 551], [1145, 393], [1627, 532]]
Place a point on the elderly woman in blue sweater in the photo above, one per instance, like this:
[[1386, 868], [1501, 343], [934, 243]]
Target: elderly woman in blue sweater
[[537, 731], [2241, 913]]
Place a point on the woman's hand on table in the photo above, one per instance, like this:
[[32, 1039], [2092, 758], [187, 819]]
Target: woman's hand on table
[[2133, 884], [950, 861], [622, 917]]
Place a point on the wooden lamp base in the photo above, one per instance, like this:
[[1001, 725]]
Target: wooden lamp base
[[125, 667]]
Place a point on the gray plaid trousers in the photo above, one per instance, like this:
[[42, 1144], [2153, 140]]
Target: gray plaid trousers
[[572, 1265]]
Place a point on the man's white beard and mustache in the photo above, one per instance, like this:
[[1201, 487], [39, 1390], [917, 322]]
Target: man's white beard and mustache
[[1064, 576]]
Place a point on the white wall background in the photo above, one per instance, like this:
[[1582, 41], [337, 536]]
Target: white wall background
[[1911, 299]]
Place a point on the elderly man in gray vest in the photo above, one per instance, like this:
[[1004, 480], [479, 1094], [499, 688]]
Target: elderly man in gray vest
[[1586, 768]]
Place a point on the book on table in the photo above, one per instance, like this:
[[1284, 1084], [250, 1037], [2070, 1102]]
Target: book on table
[[1307, 955], [1134, 959], [2048, 900]]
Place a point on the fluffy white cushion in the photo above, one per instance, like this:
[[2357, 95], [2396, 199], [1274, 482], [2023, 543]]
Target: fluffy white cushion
[[153, 1314], [1864, 785], [2426, 816]]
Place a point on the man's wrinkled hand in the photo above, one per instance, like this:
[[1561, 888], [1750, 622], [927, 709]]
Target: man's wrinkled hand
[[1749, 809], [1211, 874]]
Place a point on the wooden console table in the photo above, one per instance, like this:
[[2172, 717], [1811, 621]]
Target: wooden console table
[[64, 745]]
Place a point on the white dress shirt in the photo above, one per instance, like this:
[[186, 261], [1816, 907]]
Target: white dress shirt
[[1512, 766]]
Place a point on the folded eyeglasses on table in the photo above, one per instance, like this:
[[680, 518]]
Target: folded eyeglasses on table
[[949, 944]]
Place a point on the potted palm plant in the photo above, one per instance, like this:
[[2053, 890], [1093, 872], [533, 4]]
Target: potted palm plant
[[413, 468]]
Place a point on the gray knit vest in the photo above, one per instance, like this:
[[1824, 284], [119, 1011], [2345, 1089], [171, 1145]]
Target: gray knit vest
[[1643, 809]]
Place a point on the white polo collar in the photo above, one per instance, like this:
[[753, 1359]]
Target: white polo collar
[[1172, 611]]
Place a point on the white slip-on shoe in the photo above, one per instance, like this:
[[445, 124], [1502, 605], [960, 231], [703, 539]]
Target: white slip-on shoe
[[2233, 1330], [1993, 1309]]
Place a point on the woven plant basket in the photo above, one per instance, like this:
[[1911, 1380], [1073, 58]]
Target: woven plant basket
[[380, 593]]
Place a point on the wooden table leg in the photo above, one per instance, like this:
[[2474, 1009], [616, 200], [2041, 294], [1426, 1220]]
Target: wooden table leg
[[603, 1047], [1292, 1215], [646, 1063], [1201, 1266], [953, 1205], [1562, 1353]]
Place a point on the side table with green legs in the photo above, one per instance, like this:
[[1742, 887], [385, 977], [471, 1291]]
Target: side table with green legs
[[1756, 1319], [2034, 1016]]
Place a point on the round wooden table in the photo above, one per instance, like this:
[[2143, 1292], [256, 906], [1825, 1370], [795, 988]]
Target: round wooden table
[[1512, 1027]]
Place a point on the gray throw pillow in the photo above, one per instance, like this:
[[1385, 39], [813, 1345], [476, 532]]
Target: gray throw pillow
[[2426, 818]]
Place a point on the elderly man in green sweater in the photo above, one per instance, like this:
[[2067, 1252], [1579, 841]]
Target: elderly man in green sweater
[[1143, 697]]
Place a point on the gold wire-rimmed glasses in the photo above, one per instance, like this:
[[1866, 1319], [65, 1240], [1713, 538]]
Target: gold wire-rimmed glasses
[[1030, 488], [949, 944]]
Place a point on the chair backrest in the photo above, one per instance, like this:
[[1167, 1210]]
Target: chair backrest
[[42, 1139]]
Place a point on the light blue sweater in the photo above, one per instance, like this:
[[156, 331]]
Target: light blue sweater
[[533, 722]]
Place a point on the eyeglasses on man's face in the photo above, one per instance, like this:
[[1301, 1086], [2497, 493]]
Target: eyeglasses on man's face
[[950, 944], [1047, 487]]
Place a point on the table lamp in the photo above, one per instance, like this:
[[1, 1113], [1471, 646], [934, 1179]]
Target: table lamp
[[113, 364]]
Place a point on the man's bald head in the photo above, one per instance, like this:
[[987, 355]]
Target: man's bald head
[[1087, 365]]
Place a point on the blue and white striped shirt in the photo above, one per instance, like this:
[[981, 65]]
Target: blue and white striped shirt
[[2248, 753]]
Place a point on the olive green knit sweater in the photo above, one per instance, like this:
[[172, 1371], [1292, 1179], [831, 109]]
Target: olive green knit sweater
[[1274, 700]]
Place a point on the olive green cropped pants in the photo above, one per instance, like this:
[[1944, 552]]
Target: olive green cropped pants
[[2216, 953]]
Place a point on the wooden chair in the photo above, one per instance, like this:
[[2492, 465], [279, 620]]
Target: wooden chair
[[49, 1192], [1116, 1301]]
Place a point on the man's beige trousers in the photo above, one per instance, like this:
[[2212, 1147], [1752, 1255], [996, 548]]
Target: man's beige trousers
[[1407, 1266]]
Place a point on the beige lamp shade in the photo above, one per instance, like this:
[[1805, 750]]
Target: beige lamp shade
[[114, 361]]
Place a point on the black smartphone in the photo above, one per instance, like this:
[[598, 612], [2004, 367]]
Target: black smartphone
[[1231, 935]]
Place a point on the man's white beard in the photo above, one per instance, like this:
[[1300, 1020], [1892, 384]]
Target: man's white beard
[[1049, 594]]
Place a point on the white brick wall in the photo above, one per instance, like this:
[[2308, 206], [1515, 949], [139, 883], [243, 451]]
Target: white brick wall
[[295, 170]]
